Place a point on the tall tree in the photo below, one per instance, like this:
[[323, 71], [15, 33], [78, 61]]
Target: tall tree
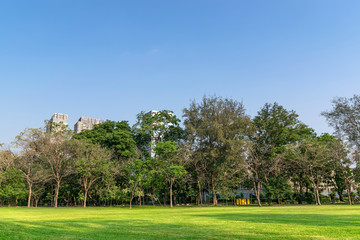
[[168, 165], [56, 151], [274, 127], [314, 155], [217, 130], [342, 165], [136, 174], [29, 162], [92, 162]]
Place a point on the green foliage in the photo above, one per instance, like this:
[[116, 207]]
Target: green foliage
[[275, 128], [278, 188], [12, 186], [274, 154], [116, 136], [166, 162], [216, 130], [156, 126]]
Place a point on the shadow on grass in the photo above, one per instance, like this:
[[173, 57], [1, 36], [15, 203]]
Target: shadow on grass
[[291, 219]]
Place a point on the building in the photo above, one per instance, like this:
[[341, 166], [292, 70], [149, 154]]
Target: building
[[55, 121], [86, 123], [60, 118]]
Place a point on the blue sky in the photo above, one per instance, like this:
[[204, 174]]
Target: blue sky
[[113, 59]]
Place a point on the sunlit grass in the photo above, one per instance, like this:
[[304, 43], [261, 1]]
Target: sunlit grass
[[285, 222]]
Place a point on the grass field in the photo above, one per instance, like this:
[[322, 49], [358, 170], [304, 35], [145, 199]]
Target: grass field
[[286, 222]]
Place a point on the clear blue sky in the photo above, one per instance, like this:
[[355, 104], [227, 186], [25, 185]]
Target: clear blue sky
[[112, 59]]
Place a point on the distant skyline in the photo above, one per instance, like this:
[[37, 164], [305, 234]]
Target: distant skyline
[[112, 59]]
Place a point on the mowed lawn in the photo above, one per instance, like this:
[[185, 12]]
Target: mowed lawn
[[278, 222]]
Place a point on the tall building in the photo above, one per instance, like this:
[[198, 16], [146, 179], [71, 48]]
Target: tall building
[[60, 118], [86, 123], [57, 118]]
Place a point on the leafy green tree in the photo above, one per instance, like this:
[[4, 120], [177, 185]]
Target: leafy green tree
[[156, 126], [136, 175], [92, 162], [278, 187], [274, 128], [339, 184], [342, 164], [56, 151], [12, 187], [116, 136], [316, 162], [167, 164], [216, 130], [29, 162]]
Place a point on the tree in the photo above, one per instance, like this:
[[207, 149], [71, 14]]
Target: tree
[[28, 162], [167, 164], [56, 151], [217, 130], [153, 127], [115, 136], [136, 172], [315, 158], [342, 165], [12, 186], [259, 167], [92, 162], [345, 118], [273, 128]]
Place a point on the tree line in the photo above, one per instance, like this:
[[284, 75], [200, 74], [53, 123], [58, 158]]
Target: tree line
[[158, 161]]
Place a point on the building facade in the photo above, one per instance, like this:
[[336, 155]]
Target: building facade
[[60, 118], [86, 123], [56, 120]]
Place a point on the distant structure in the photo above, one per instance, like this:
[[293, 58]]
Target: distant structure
[[60, 118], [86, 123], [57, 118], [157, 135]]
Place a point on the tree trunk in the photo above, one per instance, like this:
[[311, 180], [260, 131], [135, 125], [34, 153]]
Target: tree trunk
[[213, 191], [341, 198], [300, 194], [56, 194], [317, 196], [257, 192], [29, 197], [171, 195], [132, 197], [159, 201], [349, 194], [200, 195], [85, 197]]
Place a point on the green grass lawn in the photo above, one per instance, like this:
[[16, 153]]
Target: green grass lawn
[[285, 222]]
